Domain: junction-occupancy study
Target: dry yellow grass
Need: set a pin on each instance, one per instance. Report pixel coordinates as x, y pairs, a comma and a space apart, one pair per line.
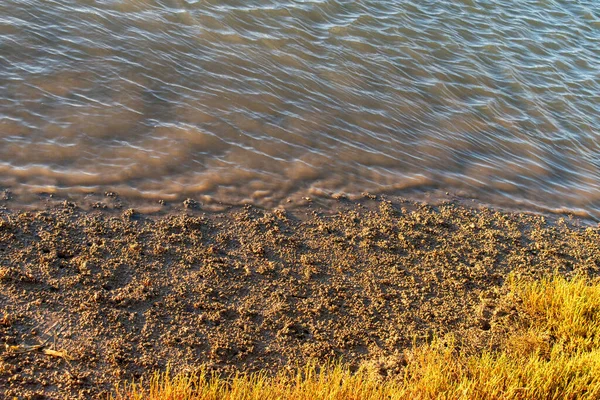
553, 353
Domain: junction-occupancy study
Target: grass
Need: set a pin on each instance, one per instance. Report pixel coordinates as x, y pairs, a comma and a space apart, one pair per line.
552, 351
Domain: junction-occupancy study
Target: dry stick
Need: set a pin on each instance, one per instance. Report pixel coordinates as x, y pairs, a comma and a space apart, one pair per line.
59, 353
14, 350
64, 356
22, 349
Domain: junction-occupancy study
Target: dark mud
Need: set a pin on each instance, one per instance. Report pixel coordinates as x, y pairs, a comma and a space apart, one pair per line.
117, 294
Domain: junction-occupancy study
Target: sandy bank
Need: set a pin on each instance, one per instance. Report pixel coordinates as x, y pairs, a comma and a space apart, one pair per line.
248, 289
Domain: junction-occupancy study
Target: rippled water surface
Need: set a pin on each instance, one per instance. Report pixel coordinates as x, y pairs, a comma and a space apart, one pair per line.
259, 101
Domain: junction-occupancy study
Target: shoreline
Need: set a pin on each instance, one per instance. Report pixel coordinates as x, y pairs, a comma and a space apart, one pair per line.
247, 289
325, 202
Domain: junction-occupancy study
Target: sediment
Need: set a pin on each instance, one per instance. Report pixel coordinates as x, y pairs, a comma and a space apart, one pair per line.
116, 295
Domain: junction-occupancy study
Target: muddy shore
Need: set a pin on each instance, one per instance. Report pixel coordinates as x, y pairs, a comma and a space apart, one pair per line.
114, 294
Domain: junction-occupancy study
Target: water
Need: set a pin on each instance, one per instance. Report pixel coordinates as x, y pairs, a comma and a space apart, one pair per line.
261, 101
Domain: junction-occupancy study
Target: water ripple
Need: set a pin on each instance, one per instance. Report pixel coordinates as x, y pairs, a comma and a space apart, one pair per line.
238, 101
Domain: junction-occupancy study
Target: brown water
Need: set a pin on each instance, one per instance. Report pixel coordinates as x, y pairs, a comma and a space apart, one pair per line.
260, 101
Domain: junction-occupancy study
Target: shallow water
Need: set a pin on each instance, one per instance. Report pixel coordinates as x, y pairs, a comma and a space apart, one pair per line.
260, 101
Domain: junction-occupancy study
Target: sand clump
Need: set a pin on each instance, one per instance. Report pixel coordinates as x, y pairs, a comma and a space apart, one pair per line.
109, 297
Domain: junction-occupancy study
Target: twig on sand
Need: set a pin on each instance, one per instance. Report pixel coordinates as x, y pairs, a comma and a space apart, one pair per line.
43, 347
58, 353
12, 351
20, 349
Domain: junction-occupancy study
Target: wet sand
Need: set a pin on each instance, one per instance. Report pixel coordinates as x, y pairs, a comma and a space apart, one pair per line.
120, 294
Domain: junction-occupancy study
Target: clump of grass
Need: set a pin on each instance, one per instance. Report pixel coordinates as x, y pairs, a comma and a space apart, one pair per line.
332, 381
553, 353
566, 311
